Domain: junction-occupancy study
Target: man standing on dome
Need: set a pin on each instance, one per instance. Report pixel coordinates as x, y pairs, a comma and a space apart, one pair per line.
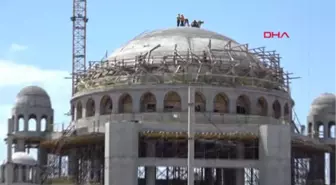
178, 19
182, 20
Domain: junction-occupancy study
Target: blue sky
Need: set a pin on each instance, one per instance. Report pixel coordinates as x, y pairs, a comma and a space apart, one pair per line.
35, 40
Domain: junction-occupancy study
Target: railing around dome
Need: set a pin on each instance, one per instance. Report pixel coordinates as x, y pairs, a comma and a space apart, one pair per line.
232, 66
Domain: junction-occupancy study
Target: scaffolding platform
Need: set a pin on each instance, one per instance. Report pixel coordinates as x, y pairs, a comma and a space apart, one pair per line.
74, 141
95, 138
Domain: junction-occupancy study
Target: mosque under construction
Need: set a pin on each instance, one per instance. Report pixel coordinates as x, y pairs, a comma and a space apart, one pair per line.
168, 101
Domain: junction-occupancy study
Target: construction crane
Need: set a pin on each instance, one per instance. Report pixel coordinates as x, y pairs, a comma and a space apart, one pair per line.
79, 20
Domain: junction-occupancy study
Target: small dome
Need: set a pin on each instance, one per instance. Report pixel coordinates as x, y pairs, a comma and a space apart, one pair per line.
23, 158
324, 104
33, 96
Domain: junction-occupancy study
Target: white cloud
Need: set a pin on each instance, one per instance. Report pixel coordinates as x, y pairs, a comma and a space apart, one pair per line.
17, 76
13, 74
17, 47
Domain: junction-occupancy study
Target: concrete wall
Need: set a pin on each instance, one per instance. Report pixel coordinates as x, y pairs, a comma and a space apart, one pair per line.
121, 153
275, 155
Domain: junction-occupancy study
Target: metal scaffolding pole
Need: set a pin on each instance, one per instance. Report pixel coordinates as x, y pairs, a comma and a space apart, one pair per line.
191, 141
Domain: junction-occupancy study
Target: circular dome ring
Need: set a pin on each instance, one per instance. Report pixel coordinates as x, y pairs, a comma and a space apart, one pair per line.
186, 55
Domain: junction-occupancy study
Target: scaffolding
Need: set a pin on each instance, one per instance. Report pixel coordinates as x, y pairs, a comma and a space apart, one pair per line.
48, 171
234, 65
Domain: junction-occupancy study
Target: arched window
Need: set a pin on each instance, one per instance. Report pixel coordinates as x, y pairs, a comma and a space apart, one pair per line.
43, 124
32, 123
200, 102
320, 129
221, 103
148, 102
106, 105
276, 109
21, 123
331, 129
262, 107
90, 108
79, 110
286, 112
243, 105
172, 102
125, 104
72, 112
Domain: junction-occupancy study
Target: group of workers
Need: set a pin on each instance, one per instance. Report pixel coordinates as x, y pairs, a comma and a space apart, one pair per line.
182, 21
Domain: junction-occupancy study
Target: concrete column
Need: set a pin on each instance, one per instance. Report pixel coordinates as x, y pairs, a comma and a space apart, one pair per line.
9, 172
26, 123
208, 176
27, 174
96, 168
275, 155
150, 171
9, 148
332, 169
38, 124
159, 102
209, 104
184, 99
20, 146
233, 104
115, 103
20, 173
33, 179
240, 173
73, 163
253, 106
10, 126
293, 168
50, 123
121, 153
15, 124
1, 174
316, 168
9, 169
136, 101
59, 166
325, 130
229, 176
42, 157
219, 176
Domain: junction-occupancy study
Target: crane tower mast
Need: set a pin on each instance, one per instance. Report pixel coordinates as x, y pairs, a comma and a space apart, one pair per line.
79, 20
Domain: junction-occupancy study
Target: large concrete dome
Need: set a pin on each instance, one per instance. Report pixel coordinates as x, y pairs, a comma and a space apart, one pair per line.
184, 38
23, 158
33, 96
324, 104
186, 55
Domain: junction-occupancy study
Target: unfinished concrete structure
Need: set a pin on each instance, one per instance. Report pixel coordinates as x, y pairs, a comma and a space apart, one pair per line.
130, 114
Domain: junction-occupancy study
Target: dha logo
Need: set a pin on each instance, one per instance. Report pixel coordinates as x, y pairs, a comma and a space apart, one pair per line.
279, 35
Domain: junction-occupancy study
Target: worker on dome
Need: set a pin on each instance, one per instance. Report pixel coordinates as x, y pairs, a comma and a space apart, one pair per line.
194, 24
200, 23
178, 19
197, 24
186, 22
182, 20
